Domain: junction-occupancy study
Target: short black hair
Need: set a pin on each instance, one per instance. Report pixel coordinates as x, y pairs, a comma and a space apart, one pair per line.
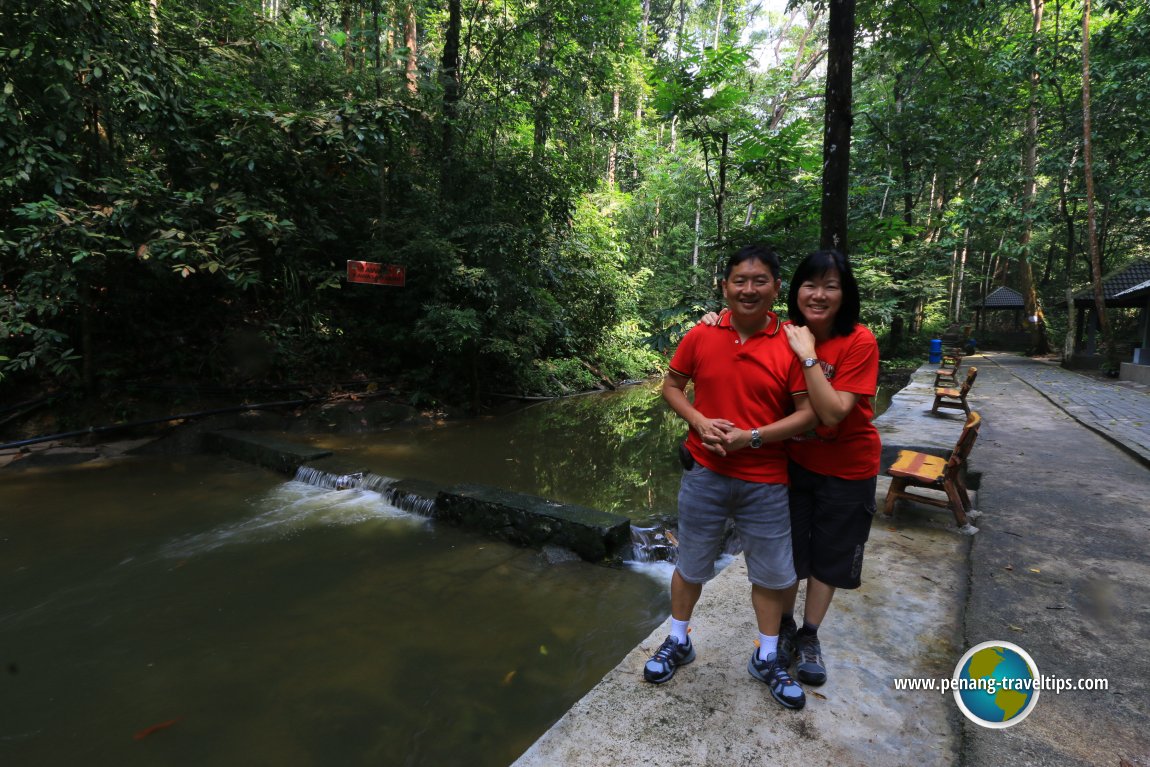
753, 253
816, 265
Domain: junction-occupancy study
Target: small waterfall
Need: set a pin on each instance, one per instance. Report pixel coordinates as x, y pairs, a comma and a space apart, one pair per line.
310, 475
412, 503
658, 544
653, 544
377, 483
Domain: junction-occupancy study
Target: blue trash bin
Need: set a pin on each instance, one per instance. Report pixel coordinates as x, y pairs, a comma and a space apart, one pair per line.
935, 351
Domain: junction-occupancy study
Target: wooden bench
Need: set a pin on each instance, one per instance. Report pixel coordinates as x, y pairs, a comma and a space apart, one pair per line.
954, 399
947, 372
913, 469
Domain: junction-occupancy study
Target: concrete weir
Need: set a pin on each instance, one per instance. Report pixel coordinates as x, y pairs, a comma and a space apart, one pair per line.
271, 453
521, 519
528, 520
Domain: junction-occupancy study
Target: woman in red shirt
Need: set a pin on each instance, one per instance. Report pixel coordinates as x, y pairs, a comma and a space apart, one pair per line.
833, 470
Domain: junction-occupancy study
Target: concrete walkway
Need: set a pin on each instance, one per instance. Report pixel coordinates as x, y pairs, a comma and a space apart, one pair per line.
1059, 567
1119, 411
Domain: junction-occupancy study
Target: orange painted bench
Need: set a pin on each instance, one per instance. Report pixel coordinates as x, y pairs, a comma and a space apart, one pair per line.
913, 469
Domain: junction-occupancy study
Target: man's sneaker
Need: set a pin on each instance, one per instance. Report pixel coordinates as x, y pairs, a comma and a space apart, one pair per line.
783, 689
787, 629
811, 668
670, 655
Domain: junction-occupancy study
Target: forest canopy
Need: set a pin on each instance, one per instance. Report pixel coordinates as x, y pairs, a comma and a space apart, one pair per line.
184, 181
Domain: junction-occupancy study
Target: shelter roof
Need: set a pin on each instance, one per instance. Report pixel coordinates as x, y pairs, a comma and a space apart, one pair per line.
1003, 298
1141, 289
1122, 287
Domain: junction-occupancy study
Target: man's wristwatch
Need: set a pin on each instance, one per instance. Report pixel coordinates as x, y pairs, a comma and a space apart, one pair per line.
810, 362
756, 440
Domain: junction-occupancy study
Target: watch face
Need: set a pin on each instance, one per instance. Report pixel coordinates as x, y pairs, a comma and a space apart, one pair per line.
809, 363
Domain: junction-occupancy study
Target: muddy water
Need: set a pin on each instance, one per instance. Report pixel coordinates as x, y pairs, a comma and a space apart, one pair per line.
201, 611
266, 622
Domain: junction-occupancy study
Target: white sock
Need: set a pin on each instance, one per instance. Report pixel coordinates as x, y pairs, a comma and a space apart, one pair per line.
679, 630
768, 645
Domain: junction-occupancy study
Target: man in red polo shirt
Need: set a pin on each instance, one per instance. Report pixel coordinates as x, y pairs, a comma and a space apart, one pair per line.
750, 395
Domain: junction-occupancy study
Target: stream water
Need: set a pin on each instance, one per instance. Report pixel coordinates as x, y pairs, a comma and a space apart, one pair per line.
199, 611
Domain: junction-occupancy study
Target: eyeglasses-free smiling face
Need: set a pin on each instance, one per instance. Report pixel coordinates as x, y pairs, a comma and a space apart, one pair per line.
820, 298
750, 290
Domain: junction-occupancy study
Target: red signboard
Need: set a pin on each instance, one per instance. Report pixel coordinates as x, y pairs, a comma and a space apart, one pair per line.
376, 274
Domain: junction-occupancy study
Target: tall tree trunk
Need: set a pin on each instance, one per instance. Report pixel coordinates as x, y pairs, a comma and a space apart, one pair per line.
1069, 345
381, 153
1051, 252
695, 250
643, 25
900, 272
375, 34
543, 92
721, 191
1091, 223
154, 20
679, 30
345, 27
964, 251
837, 124
1034, 315
931, 202
952, 282
389, 37
410, 41
718, 24
449, 78
958, 281
613, 150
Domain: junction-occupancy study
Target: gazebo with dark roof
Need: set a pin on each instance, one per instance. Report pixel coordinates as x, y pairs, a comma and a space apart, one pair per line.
1125, 288
1000, 299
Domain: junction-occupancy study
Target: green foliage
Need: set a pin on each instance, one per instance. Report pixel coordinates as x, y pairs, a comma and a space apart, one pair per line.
178, 198
624, 356
558, 378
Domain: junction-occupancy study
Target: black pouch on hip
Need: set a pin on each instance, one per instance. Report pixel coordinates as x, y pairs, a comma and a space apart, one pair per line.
685, 457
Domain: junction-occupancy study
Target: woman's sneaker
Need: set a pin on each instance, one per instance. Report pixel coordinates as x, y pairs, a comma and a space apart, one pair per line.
670, 655
783, 689
811, 668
